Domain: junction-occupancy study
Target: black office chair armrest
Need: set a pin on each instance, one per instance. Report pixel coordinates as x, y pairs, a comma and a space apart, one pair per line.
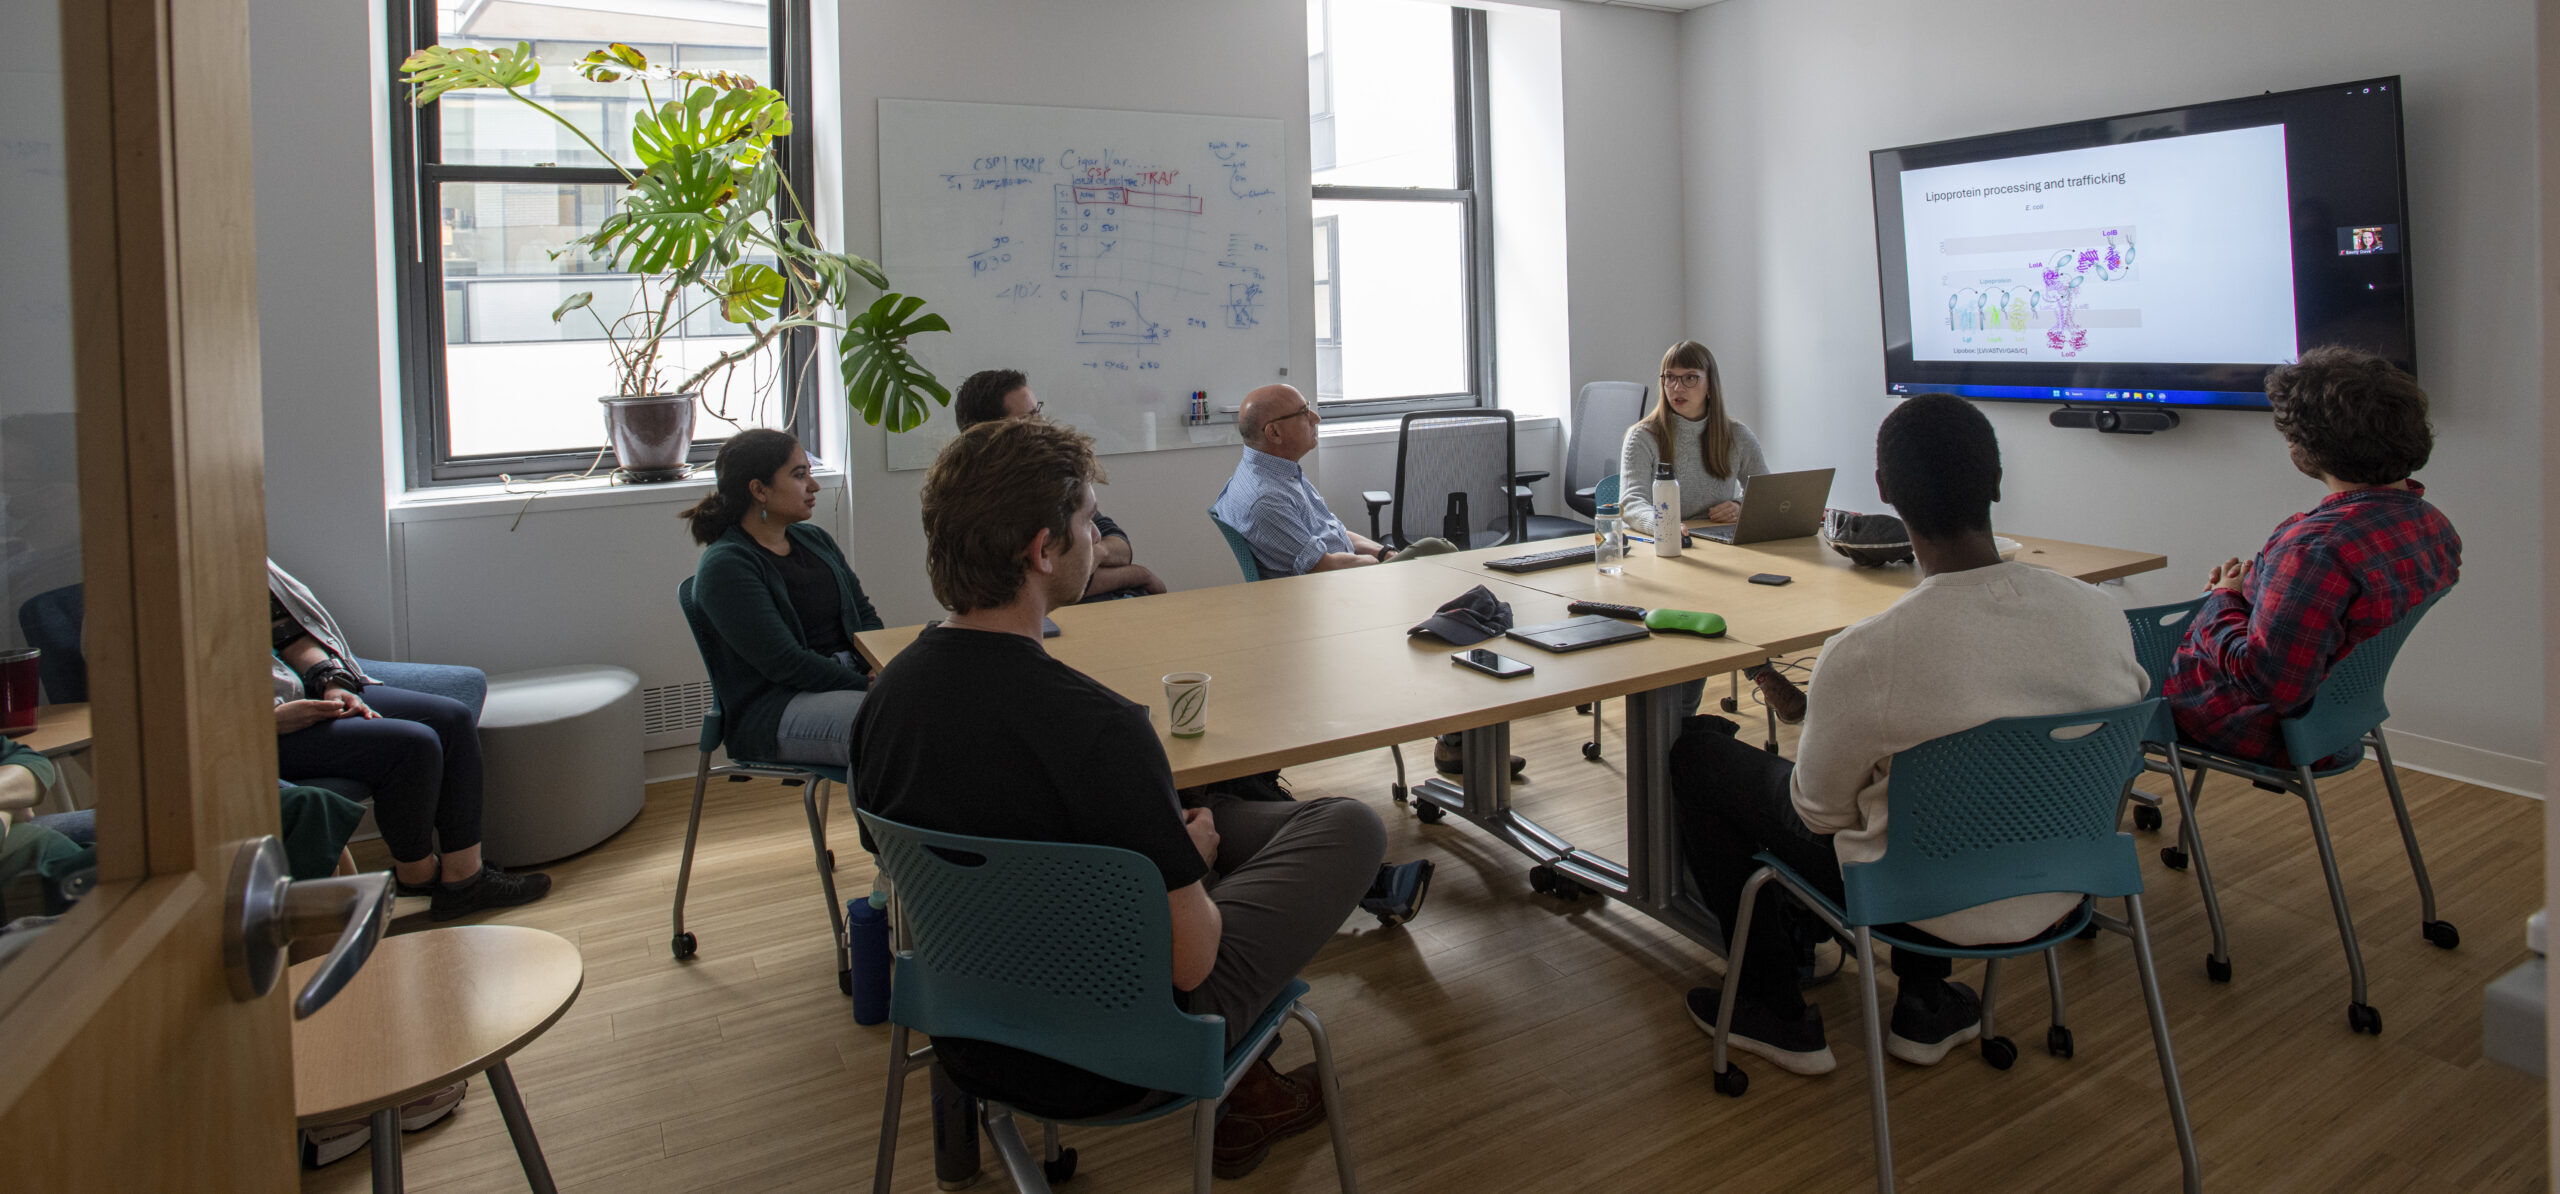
1528, 478
1587, 491
1378, 499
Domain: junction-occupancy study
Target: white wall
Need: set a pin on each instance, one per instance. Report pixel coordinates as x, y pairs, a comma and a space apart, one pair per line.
1782, 102
319, 311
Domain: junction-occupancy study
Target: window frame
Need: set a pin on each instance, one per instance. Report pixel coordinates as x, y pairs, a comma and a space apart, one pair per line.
418, 277
1473, 193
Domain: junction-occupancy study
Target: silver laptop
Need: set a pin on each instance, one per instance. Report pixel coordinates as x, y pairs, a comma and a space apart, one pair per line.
1776, 506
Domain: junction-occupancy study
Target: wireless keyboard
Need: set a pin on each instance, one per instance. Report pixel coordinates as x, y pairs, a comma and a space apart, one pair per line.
1546, 559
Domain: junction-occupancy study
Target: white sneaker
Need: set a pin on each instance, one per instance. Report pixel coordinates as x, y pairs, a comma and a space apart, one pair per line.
333, 1142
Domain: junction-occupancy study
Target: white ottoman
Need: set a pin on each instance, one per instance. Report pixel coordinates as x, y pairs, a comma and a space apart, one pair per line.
563, 752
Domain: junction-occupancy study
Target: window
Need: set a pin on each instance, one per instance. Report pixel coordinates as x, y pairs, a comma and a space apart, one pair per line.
1403, 266
488, 193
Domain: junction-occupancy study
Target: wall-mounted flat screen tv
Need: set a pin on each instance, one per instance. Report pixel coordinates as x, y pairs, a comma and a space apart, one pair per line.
2162, 258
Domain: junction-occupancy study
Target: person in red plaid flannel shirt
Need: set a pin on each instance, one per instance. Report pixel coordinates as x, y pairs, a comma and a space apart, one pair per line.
2373, 549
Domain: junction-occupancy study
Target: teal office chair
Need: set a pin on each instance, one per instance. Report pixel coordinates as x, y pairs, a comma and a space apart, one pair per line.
2345, 717
1253, 572
811, 778
2157, 631
2012, 807
1065, 951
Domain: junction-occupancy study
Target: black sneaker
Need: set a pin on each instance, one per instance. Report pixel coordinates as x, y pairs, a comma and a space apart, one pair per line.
1396, 896
1928, 1024
491, 888
402, 887
1798, 1045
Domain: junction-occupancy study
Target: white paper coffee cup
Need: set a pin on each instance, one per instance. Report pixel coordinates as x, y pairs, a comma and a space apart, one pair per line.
1186, 702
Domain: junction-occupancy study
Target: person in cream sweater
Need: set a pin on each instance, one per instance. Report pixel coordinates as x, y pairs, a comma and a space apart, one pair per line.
1978, 639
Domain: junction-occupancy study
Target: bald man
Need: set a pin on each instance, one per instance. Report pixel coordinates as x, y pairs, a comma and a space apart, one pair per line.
1270, 502
1281, 516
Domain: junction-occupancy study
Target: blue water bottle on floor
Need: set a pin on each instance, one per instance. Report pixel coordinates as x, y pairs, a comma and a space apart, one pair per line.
866, 929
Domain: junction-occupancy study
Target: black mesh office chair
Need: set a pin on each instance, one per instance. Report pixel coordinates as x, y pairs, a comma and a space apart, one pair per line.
1455, 480
1595, 433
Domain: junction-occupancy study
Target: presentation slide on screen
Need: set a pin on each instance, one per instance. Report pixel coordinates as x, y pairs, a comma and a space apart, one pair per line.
2173, 250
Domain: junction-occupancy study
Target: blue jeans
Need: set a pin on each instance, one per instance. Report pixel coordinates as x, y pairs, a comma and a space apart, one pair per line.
817, 727
421, 758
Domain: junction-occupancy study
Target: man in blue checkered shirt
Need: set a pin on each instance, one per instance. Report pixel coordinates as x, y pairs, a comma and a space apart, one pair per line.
1281, 516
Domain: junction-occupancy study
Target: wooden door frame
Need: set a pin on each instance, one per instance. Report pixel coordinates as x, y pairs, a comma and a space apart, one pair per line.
156, 150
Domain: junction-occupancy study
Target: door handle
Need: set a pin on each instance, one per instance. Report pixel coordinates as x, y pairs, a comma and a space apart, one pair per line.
269, 911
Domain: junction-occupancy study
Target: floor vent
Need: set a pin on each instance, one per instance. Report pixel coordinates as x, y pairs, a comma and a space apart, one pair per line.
674, 709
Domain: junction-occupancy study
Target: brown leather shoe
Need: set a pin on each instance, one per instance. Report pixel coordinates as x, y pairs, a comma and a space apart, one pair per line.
1783, 696
1450, 760
1266, 1108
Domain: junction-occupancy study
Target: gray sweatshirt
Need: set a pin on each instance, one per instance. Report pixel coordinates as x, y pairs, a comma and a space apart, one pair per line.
1699, 489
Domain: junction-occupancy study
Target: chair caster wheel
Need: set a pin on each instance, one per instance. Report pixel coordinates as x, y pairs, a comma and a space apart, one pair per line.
2088, 932
1398, 793
1732, 1082
683, 946
831, 860
1428, 813
1591, 751
2057, 1041
1061, 1169
2441, 933
844, 981
1729, 705
1583, 708
1542, 879
2217, 969
2362, 1018
2000, 1051
2146, 818
2173, 858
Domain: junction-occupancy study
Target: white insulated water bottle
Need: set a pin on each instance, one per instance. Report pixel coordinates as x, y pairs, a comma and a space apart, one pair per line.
1666, 510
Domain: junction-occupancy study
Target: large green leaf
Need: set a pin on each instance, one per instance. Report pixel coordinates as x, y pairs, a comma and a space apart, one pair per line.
743, 121
750, 292
670, 217
882, 380
439, 69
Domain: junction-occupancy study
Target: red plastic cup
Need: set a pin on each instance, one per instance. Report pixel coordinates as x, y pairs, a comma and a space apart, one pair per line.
18, 689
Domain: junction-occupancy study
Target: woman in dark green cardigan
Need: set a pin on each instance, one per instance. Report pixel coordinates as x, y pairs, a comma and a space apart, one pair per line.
785, 604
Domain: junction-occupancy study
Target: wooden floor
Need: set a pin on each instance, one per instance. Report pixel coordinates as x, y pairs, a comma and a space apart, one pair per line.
1507, 1041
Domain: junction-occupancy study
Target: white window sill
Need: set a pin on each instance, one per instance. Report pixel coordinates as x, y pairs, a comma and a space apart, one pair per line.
483, 501
1385, 428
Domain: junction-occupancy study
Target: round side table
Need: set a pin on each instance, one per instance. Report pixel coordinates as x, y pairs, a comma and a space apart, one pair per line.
429, 1009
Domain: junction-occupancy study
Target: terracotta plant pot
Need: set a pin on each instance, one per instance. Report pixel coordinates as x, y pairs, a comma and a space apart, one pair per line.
651, 435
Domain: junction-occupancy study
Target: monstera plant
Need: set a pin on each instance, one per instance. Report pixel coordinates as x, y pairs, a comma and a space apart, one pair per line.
709, 222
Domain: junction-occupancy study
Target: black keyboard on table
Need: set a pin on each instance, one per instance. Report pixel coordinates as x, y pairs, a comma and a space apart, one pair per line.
1546, 559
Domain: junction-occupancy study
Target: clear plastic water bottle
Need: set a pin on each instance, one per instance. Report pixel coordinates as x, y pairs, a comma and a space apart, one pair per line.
1610, 537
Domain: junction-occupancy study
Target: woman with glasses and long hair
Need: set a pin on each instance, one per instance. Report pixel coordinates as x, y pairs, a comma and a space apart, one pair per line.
1712, 454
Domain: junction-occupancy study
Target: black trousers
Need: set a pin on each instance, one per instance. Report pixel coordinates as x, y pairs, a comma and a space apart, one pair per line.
1732, 801
421, 758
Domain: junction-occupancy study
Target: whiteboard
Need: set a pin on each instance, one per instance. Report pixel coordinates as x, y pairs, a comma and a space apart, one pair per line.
1121, 259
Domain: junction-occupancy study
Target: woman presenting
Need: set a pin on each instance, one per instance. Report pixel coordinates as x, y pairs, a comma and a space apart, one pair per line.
1710, 452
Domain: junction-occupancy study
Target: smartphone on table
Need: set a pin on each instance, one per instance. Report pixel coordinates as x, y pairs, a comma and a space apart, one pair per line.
1490, 663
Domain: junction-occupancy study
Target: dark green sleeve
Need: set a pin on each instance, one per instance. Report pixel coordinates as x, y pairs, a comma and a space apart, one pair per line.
734, 596
864, 617
26, 756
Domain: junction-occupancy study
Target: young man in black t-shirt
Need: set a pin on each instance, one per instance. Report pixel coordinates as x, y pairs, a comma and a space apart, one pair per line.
974, 729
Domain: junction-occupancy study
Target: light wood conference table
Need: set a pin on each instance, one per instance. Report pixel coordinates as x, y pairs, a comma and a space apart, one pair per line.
1313, 667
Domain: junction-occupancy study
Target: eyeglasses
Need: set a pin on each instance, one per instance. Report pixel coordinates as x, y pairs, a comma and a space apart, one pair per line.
1303, 410
1683, 380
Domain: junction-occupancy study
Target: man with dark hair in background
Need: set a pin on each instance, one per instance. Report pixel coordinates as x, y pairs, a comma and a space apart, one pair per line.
975, 729
1006, 394
2373, 549
1976, 640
